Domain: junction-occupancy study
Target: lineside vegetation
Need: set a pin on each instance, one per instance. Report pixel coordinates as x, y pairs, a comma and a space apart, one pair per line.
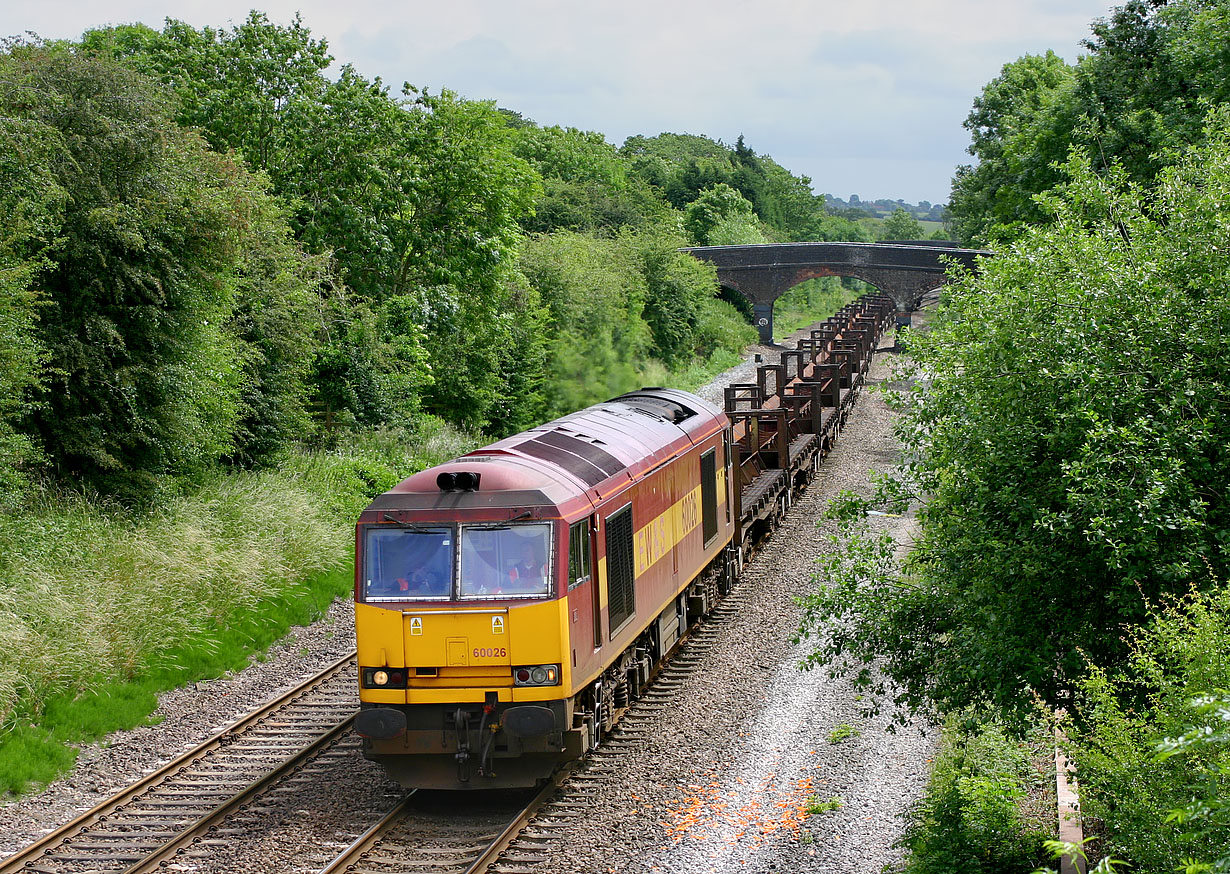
1065, 441
1065, 428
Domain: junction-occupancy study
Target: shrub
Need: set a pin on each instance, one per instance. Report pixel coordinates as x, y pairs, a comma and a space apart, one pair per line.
969, 818
1184, 650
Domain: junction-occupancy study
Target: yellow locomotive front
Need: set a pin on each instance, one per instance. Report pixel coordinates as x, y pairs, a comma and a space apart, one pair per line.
461, 632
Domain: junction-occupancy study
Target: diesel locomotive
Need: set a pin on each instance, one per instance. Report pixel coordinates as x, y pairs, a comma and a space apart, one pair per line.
510, 603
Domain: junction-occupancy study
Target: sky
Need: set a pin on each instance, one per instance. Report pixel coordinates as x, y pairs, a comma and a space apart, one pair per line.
864, 97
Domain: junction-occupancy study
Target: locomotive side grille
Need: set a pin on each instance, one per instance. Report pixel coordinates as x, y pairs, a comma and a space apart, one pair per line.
621, 570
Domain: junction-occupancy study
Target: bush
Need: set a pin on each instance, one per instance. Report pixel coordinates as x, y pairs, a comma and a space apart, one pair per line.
1184, 650
969, 820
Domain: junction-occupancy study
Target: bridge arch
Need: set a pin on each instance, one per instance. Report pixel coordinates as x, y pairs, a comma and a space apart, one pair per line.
905, 270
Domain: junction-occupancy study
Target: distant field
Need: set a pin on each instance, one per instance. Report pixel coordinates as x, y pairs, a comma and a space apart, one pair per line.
932, 227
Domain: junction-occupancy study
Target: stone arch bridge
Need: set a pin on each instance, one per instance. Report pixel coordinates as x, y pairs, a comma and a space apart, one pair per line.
903, 269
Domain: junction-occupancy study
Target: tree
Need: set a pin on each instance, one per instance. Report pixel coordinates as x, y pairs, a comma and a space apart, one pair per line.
902, 226
1020, 125
1177, 656
586, 183
1134, 101
594, 295
1069, 442
468, 194
236, 85
276, 317
32, 201
716, 206
143, 379
677, 287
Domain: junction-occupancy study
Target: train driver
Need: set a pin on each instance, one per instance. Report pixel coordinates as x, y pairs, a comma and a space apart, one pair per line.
529, 575
425, 579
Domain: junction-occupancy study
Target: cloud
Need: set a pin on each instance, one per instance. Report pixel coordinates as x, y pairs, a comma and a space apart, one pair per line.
863, 97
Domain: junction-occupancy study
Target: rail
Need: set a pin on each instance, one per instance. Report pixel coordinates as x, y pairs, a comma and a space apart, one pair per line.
146, 822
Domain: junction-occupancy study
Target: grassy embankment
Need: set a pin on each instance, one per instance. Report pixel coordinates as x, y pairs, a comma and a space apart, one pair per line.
812, 301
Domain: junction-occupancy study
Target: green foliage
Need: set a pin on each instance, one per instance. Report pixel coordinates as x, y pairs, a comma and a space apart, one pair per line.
684, 167
720, 207
1074, 851
816, 806
238, 86
969, 819
1135, 101
1019, 126
34, 753
32, 201
677, 287
813, 301
1209, 810
587, 185
673, 148
623, 312
276, 317
834, 228
595, 296
843, 731
795, 211
571, 155
142, 377
902, 226
722, 329
859, 574
1156, 809
1069, 441
417, 196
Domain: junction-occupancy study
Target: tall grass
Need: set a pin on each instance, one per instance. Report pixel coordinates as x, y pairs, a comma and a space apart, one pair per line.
101, 609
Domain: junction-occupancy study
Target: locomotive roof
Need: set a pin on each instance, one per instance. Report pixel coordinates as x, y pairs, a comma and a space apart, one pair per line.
569, 463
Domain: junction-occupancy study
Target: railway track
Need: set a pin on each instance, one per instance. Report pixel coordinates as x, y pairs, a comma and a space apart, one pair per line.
568, 804
444, 833
423, 833
149, 822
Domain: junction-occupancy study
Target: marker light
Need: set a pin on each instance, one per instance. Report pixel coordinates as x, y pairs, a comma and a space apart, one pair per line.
536, 675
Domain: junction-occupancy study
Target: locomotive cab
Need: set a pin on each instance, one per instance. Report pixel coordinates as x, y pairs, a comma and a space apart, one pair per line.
460, 628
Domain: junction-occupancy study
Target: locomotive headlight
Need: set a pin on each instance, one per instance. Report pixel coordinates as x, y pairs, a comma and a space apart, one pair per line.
536, 675
384, 678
